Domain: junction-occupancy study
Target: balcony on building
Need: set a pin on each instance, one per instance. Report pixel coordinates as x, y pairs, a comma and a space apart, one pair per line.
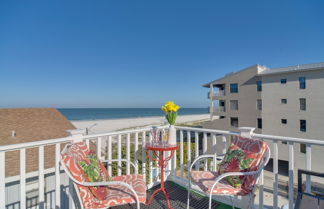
217, 92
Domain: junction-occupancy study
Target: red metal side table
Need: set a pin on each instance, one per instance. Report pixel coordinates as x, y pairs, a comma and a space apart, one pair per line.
158, 155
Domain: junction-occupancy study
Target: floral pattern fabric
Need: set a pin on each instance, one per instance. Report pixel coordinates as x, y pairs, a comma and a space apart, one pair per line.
206, 179
112, 195
236, 160
254, 149
95, 172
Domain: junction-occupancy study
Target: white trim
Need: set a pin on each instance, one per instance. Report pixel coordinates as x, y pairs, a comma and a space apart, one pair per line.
2, 183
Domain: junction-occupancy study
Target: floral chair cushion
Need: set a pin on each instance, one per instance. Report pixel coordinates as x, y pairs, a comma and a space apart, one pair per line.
236, 160
114, 195
252, 149
206, 179
256, 146
95, 171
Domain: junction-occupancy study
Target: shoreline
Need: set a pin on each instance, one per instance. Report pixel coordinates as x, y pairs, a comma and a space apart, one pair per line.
108, 125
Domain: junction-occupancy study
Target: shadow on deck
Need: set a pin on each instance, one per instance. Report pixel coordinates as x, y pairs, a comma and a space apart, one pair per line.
178, 199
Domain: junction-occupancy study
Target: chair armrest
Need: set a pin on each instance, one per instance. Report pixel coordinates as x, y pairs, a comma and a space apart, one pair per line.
237, 174
122, 160
108, 183
103, 183
217, 180
198, 159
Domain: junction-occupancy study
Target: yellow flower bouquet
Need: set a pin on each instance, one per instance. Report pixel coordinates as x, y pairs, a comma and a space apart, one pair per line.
170, 110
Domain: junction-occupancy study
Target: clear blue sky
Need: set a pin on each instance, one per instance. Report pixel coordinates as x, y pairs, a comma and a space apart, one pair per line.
105, 53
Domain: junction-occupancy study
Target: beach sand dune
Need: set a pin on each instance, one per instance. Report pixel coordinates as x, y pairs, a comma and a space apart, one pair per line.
100, 126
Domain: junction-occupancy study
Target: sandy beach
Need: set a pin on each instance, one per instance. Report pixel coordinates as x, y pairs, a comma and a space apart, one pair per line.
100, 126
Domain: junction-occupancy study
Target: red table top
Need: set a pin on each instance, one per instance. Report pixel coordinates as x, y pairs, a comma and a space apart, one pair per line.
161, 147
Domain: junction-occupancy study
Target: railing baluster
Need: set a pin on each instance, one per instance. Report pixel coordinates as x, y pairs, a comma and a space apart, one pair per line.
109, 154
174, 161
2, 180
99, 141
205, 150
41, 177
275, 175
214, 151
261, 190
23, 178
128, 154
119, 155
57, 177
308, 167
291, 175
224, 144
181, 153
150, 161
174, 164
136, 152
188, 149
143, 155
196, 149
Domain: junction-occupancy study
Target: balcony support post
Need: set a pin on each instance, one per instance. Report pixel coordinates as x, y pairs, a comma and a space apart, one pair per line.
211, 94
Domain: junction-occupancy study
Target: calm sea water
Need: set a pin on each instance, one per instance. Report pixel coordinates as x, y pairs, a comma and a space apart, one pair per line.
115, 113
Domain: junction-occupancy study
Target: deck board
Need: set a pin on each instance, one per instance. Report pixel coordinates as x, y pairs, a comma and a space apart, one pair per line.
178, 199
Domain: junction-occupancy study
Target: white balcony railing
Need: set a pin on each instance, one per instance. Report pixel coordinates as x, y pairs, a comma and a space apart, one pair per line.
116, 145
213, 95
219, 109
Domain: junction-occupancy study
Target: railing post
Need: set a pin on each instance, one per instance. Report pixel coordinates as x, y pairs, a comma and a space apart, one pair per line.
308, 167
76, 136
291, 174
246, 131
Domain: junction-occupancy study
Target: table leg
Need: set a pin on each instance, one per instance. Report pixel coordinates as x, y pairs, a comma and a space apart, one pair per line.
162, 188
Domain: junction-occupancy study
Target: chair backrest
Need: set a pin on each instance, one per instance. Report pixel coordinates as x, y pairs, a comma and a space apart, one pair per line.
263, 155
71, 155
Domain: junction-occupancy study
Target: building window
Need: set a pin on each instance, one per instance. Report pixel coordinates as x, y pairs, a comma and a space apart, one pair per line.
283, 101
283, 81
259, 123
234, 122
234, 88
234, 104
302, 82
259, 104
222, 117
259, 85
283, 121
303, 148
302, 103
303, 125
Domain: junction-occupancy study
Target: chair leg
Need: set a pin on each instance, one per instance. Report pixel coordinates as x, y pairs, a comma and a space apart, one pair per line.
232, 200
188, 198
251, 202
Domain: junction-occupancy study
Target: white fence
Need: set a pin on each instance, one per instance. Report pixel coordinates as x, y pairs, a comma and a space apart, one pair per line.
193, 142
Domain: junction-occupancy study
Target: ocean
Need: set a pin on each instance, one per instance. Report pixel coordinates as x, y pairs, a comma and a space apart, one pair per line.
115, 113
